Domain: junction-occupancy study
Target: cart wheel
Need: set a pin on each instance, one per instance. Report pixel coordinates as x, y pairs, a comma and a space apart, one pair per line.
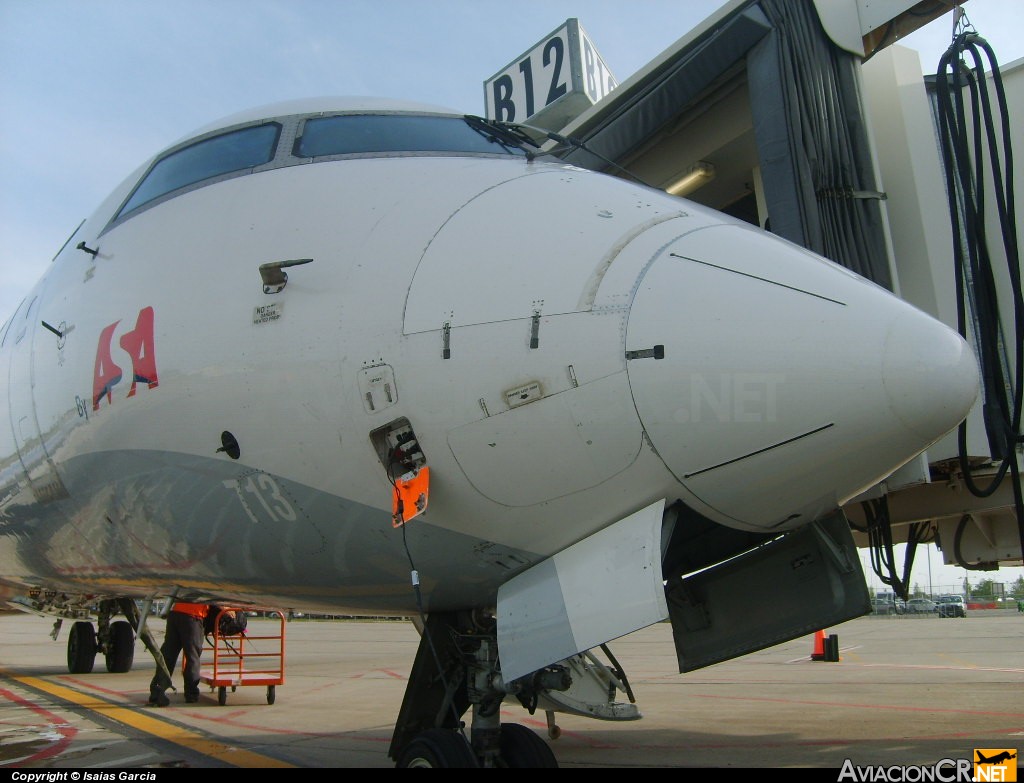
222, 696
271, 694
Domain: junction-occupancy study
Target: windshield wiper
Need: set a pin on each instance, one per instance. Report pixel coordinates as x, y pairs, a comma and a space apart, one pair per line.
504, 133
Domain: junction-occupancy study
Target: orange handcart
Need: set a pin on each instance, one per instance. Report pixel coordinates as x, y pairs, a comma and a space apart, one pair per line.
254, 657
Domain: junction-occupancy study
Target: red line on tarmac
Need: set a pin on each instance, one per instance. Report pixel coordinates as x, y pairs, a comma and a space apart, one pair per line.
926, 666
837, 742
583, 738
598, 745
936, 666
223, 720
1010, 730
66, 731
153, 726
896, 707
229, 721
388, 672
94, 687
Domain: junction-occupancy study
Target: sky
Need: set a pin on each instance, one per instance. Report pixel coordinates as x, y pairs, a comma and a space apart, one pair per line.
89, 89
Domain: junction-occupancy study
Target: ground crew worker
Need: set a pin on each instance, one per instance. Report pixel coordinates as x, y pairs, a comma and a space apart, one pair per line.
184, 633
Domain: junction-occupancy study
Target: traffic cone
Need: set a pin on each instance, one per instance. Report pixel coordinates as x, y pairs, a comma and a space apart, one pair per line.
819, 646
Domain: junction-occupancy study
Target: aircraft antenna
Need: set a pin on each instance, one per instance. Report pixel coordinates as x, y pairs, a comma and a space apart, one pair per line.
579, 144
573, 142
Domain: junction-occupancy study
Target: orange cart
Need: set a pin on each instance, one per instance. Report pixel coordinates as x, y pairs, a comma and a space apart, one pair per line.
254, 657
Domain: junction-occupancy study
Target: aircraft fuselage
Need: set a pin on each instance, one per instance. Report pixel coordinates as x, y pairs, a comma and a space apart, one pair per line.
566, 347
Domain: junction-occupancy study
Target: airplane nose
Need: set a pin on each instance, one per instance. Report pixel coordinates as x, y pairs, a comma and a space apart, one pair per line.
775, 385
929, 374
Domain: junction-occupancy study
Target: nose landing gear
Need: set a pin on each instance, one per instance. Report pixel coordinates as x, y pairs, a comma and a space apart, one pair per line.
457, 668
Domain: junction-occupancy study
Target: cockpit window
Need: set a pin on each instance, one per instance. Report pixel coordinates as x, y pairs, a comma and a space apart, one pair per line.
297, 139
381, 133
234, 151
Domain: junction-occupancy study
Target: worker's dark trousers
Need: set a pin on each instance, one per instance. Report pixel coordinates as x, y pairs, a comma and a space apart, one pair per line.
184, 633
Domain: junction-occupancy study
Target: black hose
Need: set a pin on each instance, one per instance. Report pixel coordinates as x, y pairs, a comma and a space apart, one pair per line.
883, 560
975, 270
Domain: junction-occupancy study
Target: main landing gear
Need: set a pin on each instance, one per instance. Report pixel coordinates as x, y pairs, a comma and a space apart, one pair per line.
116, 640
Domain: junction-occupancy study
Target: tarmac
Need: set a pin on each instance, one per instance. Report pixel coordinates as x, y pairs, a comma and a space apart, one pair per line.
907, 691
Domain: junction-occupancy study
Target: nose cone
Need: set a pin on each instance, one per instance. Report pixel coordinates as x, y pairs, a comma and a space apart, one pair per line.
930, 375
786, 384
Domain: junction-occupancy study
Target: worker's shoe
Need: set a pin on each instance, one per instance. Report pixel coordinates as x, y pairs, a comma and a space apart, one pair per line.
158, 699
191, 698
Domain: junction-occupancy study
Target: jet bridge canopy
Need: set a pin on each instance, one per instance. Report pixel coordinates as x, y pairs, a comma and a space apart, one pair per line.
743, 93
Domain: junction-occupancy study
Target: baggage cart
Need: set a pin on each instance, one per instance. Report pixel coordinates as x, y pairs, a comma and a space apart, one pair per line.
254, 657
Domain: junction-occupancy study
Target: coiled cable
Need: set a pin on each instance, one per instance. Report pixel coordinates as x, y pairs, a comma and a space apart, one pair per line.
970, 149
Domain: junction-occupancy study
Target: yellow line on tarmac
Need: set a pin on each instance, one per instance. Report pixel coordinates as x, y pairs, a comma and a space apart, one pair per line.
144, 722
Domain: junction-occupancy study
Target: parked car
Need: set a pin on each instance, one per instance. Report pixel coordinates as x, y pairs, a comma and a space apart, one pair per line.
886, 606
921, 606
951, 606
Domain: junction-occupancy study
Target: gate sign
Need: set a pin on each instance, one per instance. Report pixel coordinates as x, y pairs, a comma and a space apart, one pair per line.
552, 83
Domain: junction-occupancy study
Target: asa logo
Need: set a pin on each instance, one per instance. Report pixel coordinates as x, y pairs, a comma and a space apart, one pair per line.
138, 344
998, 765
